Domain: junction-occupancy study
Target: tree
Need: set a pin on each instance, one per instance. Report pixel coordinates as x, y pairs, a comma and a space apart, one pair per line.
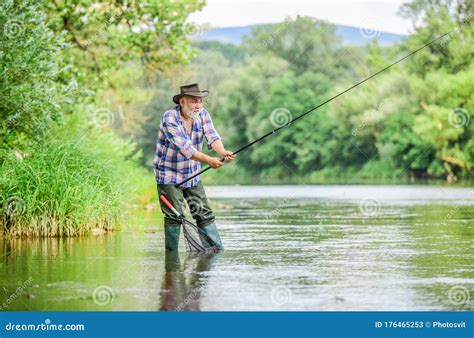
31, 97
432, 19
307, 44
443, 82
105, 35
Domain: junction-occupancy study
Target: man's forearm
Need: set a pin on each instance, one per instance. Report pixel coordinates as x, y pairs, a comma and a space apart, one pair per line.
201, 157
218, 147
213, 162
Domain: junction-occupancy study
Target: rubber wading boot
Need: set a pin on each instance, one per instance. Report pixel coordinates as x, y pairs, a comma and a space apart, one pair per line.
213, 233
172, 237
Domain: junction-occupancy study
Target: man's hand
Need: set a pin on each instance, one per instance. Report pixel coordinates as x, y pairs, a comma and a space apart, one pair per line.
214, 162
227, 155
218, 147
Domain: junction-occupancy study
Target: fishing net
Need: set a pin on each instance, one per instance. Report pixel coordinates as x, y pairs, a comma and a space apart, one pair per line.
195, 238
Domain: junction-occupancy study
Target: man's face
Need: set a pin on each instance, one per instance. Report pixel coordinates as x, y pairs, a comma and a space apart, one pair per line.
191, 105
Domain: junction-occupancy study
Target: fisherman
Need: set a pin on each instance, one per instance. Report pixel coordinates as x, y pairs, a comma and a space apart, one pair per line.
178, 157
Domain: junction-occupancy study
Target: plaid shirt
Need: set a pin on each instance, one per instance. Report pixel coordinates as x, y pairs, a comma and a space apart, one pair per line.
174, 147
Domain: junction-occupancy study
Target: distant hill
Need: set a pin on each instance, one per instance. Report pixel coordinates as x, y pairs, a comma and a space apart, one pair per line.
350, 35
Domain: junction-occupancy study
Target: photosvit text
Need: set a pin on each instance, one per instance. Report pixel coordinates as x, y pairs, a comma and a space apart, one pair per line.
419, 325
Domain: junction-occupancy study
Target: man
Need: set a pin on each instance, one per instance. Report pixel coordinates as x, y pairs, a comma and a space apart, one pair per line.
178, 157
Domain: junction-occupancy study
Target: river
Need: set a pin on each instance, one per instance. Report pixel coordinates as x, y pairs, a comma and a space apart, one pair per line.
319, 247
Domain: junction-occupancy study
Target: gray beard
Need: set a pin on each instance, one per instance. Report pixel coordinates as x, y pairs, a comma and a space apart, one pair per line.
188, 112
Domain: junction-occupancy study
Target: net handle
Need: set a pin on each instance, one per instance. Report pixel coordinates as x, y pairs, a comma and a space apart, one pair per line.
169, 205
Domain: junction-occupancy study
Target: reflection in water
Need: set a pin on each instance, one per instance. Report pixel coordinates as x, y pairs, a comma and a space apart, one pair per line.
182, 286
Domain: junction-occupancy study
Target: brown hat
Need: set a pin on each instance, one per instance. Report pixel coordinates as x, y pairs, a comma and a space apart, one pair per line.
190, 90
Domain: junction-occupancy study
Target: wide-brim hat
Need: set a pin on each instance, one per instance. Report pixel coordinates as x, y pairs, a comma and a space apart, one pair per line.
190, 90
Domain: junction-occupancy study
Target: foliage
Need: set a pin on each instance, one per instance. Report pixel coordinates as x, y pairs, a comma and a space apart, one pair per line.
31, 97
76, 180
104, 36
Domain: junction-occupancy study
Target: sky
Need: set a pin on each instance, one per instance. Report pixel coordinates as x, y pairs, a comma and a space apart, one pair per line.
380, 15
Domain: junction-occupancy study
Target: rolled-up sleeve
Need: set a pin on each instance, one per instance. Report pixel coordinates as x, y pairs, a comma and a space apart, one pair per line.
176, 136
209, 131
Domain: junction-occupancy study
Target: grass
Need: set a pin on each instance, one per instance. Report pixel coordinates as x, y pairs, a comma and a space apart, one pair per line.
78, 179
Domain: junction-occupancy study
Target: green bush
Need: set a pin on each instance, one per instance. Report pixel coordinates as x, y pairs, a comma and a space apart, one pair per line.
76, 180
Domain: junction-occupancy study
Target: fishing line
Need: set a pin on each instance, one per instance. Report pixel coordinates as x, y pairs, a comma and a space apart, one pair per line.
318, 106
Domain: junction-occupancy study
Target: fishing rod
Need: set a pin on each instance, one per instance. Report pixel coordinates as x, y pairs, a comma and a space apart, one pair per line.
318, 106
